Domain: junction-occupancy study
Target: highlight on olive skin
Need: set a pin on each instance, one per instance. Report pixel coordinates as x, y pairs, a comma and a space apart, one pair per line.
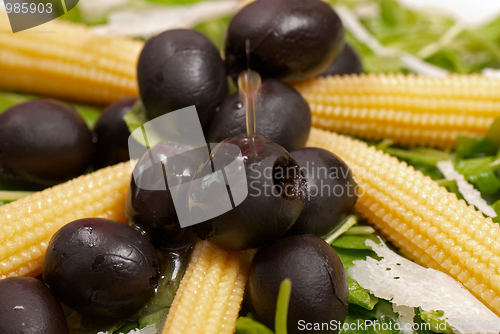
27, 306
179, 68
282, 114
43, 142
319, 283
331, 192
101, 268
290, 40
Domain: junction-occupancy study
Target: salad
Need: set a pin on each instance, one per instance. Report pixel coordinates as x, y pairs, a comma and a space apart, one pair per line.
377, 286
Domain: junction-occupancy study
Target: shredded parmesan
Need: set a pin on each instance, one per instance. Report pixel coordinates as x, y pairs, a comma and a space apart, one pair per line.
470, 194
408, 284
149, 22
151, 329
352, 23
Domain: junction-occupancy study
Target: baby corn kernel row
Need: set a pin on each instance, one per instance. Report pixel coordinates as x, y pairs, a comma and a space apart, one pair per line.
409, 109
28, 224
209, 297
65, 60
429, 224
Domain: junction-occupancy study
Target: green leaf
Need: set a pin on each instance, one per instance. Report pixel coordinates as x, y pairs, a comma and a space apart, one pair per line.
354, 323
174, 2
468, 167
8, 100
355, 241
383, 317
475, 147
348, 256
89, 113
486, 181
494, 132
247, 325
136, 117
360, 296
436, 320
426, 157
390, 12
215, 30
280, 322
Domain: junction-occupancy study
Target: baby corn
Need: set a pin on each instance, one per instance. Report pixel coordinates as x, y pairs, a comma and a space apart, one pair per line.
27, 225
211, 292
409, 109
429, 224
65, 60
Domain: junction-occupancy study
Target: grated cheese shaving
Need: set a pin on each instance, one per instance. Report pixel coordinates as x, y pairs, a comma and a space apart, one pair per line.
470, 194
151, 329
152, 21
406, 283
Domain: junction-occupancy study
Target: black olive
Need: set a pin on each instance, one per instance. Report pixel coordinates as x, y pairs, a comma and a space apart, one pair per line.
27, 306
178, 69
331, 192
112, 134
153, 210
319, 283
43, 142
101, 267
281, 112
348, 62
289, 39
276, 195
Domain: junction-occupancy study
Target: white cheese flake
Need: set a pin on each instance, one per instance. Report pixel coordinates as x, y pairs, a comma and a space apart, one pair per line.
149, 22
470, 194
406, 283
151, 329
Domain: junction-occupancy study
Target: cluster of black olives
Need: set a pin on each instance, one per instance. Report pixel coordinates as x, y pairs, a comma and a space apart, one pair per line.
44, 142
99, 267
296, 195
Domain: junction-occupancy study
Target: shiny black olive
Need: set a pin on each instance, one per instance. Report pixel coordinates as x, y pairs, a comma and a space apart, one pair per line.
331, 192
111, 133
289, 39
43, 142
276, 195
27, 306
149, 202
348, 62
319, 283
181, 68
281, 112
101, 267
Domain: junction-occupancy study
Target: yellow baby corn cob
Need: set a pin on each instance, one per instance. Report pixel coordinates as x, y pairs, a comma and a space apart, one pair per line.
429, 224
65, 60
409, 109
210, 294
27, 225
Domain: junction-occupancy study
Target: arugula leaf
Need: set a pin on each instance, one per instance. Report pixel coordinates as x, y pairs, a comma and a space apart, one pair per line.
360, 296
351, 248
247, 325
215, 30
475, 147
355, 241
381, 319
355, 323
89, 113
437, 322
